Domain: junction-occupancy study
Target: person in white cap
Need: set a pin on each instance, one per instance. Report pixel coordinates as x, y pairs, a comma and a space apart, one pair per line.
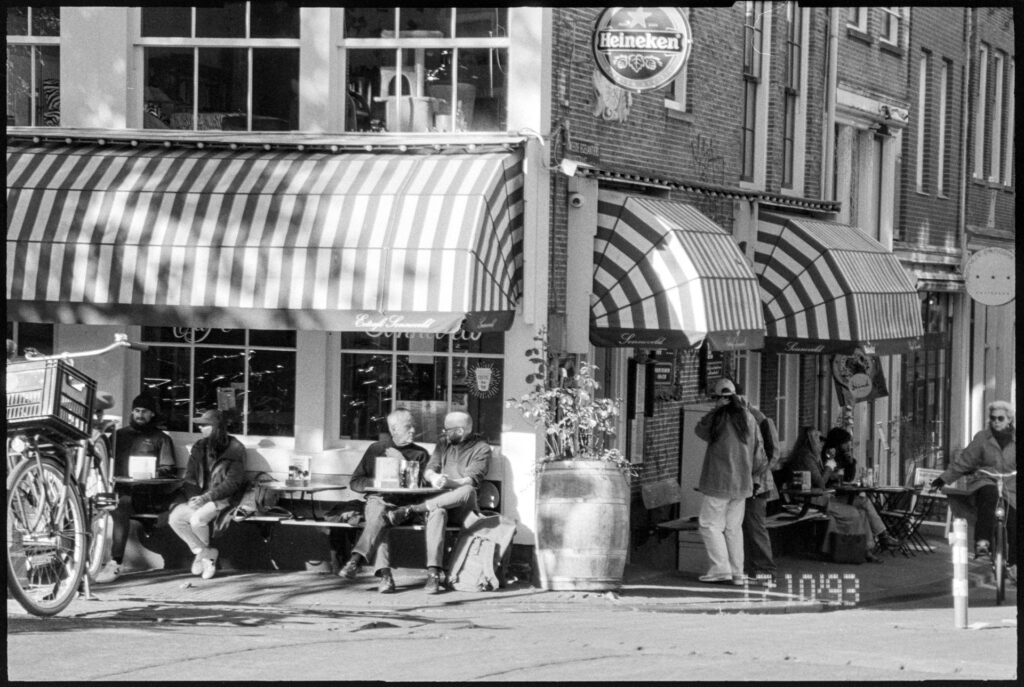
213, 481
726, 480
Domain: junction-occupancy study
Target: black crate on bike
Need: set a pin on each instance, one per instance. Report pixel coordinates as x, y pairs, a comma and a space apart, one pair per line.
51, 398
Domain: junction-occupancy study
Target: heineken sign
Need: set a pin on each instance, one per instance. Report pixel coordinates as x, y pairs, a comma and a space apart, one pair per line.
641, 48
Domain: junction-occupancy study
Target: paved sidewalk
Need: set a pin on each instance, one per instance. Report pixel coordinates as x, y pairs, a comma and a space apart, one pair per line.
803, 585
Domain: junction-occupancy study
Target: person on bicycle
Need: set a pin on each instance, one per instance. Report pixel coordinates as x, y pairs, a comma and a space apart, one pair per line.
213, 481
140, 438
995, 449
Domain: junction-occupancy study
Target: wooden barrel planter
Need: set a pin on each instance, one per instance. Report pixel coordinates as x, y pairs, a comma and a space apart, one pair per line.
582, 525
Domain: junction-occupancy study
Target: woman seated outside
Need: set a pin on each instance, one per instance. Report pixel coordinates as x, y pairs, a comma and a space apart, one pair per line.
830, 465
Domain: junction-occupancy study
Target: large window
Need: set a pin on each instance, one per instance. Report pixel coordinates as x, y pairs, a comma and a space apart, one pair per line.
1010, 113
995, 159
922, 121
941, 148
428, 374
792, 92
33, 66
753, 52
891, 17
248, 374
979, 113
425, 69
233, 67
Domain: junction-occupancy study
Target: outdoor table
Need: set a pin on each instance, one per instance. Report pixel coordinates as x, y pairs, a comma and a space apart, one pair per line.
132, 481
885, 499
311, 488
806, 496
426, 491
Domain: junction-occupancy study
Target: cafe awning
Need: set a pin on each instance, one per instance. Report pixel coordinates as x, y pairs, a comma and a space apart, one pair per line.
666, 276
285, 239
830, 288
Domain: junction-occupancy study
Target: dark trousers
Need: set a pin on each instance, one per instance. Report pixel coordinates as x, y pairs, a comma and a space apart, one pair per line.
984, 502
757, 546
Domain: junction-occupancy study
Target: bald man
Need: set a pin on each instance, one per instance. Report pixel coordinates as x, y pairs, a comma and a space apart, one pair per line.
458, 465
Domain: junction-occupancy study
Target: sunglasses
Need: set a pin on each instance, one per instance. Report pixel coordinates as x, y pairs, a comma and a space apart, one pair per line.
997, 418
451, 430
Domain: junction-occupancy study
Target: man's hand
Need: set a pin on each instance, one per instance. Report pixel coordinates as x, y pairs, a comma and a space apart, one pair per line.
936, 484
198, 501
831, 464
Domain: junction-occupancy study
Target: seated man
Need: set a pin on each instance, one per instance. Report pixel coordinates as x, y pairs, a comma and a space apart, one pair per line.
459, 464
372, 543
140, 438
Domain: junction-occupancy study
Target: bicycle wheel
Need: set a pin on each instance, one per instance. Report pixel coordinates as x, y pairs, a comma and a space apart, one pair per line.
999, 561
46, 537
100, 499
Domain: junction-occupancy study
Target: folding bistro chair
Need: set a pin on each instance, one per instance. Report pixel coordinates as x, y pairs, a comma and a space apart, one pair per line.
921, 510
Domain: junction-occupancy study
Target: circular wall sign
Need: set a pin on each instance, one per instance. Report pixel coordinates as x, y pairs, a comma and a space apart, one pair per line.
641, 48
989, 276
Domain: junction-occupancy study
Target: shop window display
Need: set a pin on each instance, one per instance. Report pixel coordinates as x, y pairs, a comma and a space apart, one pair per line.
33, 66
426, 69
250, 84
428, 374
247, 374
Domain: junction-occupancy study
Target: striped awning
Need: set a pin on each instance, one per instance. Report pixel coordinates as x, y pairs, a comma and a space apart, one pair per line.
666, 276
263, 239
830, 288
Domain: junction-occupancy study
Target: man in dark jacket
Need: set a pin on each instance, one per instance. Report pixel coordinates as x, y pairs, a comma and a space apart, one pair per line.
373, 542
458, 465
757, 546
140, 438
213, 479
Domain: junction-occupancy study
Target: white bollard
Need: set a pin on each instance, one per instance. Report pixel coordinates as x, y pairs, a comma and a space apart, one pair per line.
958, 544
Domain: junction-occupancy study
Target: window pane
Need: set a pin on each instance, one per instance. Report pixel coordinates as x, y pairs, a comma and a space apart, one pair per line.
483, 343
45, 21
275, 90
220, 383
273, 20
471, 22
165, 373
281, 338
167, 21
271, 393
423, 389
17, 21
32, 335
19, 90
368, 22
478, 388
227, 21
169, 87
425, 22
365, 395
48, 73
223, 85
362, 340
374, 82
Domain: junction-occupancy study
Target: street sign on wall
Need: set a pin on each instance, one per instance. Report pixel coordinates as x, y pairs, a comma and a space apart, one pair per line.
641, 48
989, 276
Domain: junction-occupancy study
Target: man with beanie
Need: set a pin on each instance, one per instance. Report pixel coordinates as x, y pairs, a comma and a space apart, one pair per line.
140, 438
995, 449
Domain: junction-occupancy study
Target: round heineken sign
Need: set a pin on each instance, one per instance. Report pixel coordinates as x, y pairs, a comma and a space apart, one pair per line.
641, 48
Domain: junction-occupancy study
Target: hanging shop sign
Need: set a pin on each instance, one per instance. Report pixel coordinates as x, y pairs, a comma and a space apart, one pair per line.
858, 377
989, 276
641, 48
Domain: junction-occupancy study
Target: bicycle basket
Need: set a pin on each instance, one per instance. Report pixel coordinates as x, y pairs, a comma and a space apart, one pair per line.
51, 398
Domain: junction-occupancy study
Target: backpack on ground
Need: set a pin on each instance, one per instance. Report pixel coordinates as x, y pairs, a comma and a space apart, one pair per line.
481, 557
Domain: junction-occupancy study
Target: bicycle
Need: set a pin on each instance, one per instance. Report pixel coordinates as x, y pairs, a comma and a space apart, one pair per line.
59, 481
1000, 544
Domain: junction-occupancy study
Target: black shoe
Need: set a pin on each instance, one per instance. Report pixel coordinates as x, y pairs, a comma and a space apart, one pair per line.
398, 516
433, 585
887, 541
386, 584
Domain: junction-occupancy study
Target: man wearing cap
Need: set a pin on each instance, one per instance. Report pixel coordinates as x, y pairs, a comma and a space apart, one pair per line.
140, 438
214, 479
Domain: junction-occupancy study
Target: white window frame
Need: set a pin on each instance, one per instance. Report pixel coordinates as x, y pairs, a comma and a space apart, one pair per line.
1010, 114
33, 42
979, 113
763, 13
995, 157
940, 162
858, 19
677, 101
800, 128
922, 117
892, 25
787, 398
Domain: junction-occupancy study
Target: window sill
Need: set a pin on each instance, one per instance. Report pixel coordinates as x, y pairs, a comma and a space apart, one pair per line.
891, 48
677, 114
859, 35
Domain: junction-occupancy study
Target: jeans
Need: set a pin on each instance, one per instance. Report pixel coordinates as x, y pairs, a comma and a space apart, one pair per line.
193, 524
757, 545
721, 528
374, 539
460, 502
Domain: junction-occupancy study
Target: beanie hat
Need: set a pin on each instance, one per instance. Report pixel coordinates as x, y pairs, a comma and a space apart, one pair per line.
837, 436
144, 401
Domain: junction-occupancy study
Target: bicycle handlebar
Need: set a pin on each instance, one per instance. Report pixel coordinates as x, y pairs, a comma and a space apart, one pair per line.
997, 475
120, 341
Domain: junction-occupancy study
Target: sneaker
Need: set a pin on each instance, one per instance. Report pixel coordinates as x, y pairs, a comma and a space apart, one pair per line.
350, 570
109, 572
740, 580
209, 563
433, 585
197, 564
887, 541
982, 548
398, 516
387, 583
716, 579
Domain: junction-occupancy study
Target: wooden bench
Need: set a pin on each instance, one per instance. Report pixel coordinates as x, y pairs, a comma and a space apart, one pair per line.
665, 494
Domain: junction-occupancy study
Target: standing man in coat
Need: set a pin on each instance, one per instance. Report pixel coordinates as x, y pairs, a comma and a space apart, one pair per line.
995, 449
459, 464
758, 561
726, 480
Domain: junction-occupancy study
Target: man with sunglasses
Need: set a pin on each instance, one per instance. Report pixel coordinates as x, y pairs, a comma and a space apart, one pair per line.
458, 465
995, 449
